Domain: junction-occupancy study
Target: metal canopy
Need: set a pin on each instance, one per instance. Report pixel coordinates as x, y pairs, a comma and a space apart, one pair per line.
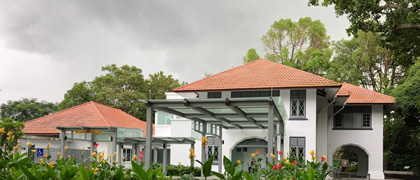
163, 140
229, 113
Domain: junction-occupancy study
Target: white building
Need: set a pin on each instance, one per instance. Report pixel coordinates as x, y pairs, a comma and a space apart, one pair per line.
321, 115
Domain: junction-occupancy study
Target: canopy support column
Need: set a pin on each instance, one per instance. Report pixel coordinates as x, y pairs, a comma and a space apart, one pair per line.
192, 160
203, 148
119, 154
270, 132
92, 144
63, 142
149, 132
155, 155
114, 146
220, 150
165, 156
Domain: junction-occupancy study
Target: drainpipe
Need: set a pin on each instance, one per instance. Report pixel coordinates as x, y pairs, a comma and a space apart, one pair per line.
332, 102
328, 129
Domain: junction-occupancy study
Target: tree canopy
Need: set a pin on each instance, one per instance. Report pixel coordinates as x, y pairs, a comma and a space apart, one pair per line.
303, 44
26, 109
121, 88
398, 21
364, 61
251, 55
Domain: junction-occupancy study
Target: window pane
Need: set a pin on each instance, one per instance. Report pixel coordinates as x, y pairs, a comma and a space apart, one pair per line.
301, 107
294, 107
216, 153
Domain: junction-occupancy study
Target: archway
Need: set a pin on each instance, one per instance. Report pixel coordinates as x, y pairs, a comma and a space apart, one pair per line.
352, 159
244, 149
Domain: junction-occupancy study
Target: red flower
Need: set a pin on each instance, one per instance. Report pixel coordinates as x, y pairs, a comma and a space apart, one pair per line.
87, 167
141, 152
294, 162
259, 151
280, 152
274, 167
279, 166
323, 158
44, 156
96, 144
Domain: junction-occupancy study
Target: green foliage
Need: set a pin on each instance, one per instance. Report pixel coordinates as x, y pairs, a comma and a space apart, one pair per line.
251, 55
121, 88
15, 128
303, 44
26, 109
398, 21
363, 61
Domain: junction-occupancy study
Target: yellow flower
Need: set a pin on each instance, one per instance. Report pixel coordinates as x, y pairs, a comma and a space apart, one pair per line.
33, 150
284, 158
48, 146
103, 161
191, 150
96, 170
30, 144
2, 131
68, 156
59, 154
273, 156
312, 152
41, 161
179, 163
100, 156
9, 133
204, 141
313, 157
238, 161
65, 148
94, 154
287, 162
191, 156
134, 157
115, 153
253, 155
15, 147
108, 156
51, 164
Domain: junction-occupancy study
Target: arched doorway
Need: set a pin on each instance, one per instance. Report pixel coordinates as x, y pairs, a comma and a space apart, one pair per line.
352, 159
244, 149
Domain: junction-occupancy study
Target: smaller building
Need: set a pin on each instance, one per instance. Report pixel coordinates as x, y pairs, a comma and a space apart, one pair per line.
90, 126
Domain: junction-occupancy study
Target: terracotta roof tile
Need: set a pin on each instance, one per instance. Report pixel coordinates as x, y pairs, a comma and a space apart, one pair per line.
89, 114
360, 95
260, 74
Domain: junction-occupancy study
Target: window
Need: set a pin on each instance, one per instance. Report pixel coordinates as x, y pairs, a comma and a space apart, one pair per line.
213, 148
353, 118
242, 94
298, 102
211, 95
127, 155
366, 120
338, 121
163, 118
297, 148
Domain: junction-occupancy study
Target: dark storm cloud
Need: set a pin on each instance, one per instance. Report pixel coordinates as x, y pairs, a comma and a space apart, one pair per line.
184, 38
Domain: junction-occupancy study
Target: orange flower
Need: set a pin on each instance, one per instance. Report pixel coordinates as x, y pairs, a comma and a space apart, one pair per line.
96, 170
294, 162
323, 158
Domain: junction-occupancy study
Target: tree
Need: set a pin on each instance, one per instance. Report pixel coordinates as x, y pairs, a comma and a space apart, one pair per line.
251, 55
364, 61
303, 44
15, 127
26, 109
398, 21
121, 88
79, 94
158, 84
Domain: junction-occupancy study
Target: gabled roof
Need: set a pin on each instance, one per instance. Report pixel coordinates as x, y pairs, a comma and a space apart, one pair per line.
260, 74
90, 114
358, 95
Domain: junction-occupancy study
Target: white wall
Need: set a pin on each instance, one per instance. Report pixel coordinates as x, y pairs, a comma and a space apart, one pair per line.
369, 140
301, 128
321, 128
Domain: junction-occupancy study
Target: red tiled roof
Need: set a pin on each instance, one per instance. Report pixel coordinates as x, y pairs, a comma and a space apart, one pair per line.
260, 74
360, 95
90, 114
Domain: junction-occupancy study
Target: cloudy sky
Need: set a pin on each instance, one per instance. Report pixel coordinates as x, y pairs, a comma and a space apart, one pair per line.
47, 46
